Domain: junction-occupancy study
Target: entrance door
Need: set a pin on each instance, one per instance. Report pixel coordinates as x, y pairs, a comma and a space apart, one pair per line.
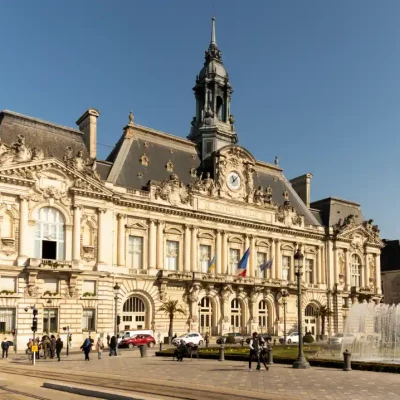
310, 320
205, 316
134, 314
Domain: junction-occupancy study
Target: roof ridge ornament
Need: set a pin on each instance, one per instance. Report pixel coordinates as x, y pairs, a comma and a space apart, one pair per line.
213, 53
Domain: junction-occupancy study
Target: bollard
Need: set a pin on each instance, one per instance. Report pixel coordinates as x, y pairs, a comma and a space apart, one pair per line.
270, 355
274, 342
221, 353
160, 346
347, 361
143, 351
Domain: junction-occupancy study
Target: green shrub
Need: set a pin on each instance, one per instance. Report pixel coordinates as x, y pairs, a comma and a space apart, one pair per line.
230, 340
308, 338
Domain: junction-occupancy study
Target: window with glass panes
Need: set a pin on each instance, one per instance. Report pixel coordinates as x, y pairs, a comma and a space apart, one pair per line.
7, 319
285, 267
50, 320
236, 313
355, 270
309, 270
172, 255
262, 313
234, 257
49, 234
135, 252
204, 257
261, 259
88, 319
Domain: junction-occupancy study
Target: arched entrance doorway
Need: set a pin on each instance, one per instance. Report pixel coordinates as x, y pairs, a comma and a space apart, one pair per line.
262, 316
237, 322
134, 314
207, 318
311, 320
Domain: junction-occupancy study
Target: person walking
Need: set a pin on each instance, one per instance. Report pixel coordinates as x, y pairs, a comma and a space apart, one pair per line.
263, 347
4, 346
108, 340
254, 349
46, 346
52, 346
86, 347
29, 349
59, 346
207, 339
99, 347
113, 346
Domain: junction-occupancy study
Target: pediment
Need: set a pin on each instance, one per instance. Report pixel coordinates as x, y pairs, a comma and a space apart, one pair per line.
360, 235
137, 225
53, 178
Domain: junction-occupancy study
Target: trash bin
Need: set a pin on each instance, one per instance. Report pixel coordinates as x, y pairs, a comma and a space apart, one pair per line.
143, 350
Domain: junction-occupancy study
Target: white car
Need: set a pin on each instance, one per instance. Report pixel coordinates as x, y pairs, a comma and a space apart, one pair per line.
192, 337
337, 339
292, 338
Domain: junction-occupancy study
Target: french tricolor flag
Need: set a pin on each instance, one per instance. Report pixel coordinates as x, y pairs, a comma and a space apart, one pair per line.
242, 266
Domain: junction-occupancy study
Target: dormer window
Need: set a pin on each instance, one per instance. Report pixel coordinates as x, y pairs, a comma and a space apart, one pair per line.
220, 109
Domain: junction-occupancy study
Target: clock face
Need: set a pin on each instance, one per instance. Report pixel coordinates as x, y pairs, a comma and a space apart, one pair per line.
233, 180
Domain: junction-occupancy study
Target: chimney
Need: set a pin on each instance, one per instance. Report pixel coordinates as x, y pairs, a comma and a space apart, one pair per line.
302, 186
88, 126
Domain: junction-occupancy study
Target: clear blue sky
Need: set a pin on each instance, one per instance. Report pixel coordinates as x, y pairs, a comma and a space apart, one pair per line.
315, 82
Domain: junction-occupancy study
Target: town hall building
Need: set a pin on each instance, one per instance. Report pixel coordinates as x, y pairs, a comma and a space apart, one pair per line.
86, 240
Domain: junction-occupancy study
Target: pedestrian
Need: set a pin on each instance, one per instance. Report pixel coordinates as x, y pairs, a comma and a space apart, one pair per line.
52, 346
29, 349
46, 346
99, 347
59, 346
263, 347
86, 347
108, 340
254, 349
207, 339
113, 346
37, 343
4, 346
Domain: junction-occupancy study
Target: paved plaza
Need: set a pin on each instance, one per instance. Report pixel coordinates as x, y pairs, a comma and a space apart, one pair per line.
280, 382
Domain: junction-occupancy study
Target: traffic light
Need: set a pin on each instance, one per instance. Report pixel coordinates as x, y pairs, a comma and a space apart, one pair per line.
118, 319
34, 325
35, 311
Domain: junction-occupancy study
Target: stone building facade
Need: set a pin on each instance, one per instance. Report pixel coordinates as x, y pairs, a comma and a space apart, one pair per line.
153, 215
390, 261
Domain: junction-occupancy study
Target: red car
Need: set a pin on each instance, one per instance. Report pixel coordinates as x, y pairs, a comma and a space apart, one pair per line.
137, 340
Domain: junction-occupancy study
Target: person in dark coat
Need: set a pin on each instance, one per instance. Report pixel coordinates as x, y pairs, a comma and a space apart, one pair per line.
4, 346
86, 347
52, 346
113, 346
59, 346
108, 340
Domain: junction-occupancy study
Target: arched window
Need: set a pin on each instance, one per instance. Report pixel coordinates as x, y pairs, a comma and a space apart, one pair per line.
205, 312
134, 314
262, 314
236, 314
355, 270
310, 320
220, 109
49, 236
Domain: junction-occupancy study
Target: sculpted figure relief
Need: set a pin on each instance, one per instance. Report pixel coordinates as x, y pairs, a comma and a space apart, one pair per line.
19, 152
194, 292
88, 166
259, 196
173, 190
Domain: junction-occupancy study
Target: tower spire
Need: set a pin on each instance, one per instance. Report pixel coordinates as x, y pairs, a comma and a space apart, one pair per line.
213, 39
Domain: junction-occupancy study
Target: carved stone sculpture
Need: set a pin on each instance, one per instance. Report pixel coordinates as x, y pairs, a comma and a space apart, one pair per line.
18, 152
259, 196
88, 166
226, 291
173, 190
194, 292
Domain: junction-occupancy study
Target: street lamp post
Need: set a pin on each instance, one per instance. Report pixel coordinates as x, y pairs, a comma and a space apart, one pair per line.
284, 303
34, 328
116, 291
301, 362
66, 328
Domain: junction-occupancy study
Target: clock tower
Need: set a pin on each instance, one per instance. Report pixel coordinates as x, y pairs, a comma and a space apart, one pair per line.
213, 125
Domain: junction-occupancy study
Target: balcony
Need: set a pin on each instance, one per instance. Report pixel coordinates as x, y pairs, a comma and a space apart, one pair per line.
52, 265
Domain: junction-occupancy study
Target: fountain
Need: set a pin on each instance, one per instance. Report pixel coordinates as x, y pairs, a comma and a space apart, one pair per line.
372, 333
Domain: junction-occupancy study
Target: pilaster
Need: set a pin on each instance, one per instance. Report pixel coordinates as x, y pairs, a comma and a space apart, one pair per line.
152, 243
218, 252
76, 238
101, 235
121, 240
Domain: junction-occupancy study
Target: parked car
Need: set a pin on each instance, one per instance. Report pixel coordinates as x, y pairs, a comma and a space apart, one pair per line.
137, 340
337, 339
291, 338
128, 334
191, 337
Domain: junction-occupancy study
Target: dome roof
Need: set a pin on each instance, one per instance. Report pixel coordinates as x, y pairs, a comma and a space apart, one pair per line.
213, 67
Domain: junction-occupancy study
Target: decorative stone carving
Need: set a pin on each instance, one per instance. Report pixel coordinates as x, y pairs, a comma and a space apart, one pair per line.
342, 267
258, 196
341, 225
288, 215
194, 291
373, 230
226, 291
173, 191
169, 166
87, 166
8, 246
144, 160
204, 186
268, 195
254, 294
276, 161
163, 291
31, 291
249, 172
18, 152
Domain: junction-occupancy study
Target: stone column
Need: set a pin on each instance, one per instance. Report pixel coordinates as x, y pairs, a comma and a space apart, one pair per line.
291, 277
23, 229
319, 262
152, 244
316, 267
274, 260
378, 273
253, 257
186, 251
101, 236
76, 237
335, 265
366, 270
347, 267
121, 240
194, 263
278, 269
160, 245
224, 257
218, 252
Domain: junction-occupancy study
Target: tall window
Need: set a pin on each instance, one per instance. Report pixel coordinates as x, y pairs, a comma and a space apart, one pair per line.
234, 257
261, 259
171, 262
134, 313
236, 314
135, 252
285, 267
7, 319
355, 270
49, 236
205, 257
50, 320
309, 271
88, 321
262, 314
